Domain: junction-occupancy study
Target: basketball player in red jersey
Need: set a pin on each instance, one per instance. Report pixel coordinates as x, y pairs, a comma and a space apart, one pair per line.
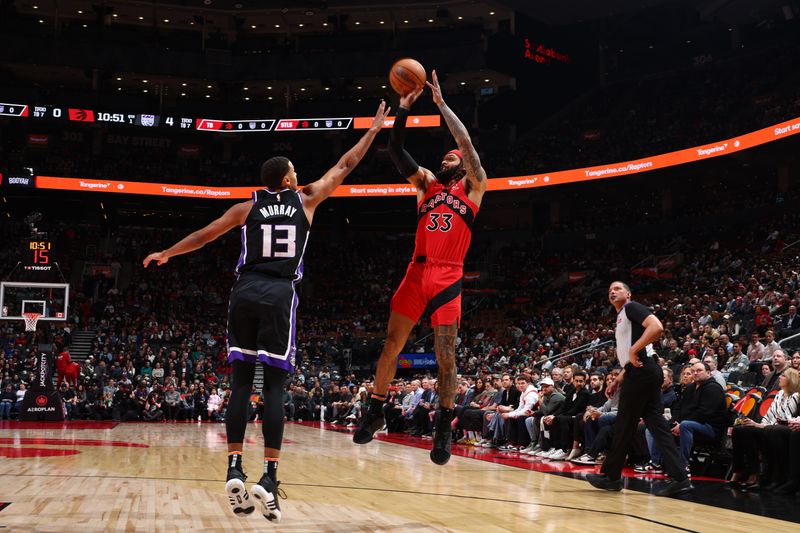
447, 202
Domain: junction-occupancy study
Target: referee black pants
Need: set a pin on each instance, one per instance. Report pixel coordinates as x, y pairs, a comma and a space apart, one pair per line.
640, 397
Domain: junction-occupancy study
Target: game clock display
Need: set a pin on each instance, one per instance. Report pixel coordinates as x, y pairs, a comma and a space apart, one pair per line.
36, 255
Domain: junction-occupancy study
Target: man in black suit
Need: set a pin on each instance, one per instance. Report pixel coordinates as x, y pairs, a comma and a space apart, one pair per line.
790, 324
701, 415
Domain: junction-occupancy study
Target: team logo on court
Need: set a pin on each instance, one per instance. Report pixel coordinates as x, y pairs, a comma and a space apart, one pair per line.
41, 400
148, 120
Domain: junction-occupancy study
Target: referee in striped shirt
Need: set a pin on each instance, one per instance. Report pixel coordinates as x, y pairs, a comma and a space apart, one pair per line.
640, 395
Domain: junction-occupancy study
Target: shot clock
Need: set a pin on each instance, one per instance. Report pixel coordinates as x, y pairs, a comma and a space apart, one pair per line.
36, 254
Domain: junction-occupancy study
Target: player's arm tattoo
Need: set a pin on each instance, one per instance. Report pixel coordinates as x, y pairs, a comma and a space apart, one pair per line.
471, 160
446, 358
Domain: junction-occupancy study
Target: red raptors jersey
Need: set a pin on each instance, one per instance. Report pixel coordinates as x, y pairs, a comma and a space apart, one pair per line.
444, 223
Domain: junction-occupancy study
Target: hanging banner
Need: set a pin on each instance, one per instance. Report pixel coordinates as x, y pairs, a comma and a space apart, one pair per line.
612, 170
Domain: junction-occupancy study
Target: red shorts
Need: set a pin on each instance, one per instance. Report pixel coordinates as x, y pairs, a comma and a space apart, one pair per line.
434, 288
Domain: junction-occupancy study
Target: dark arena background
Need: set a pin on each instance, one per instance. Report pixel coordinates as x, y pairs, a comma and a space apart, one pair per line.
651, 142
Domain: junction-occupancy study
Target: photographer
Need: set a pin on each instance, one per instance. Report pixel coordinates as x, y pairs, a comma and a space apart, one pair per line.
124, 406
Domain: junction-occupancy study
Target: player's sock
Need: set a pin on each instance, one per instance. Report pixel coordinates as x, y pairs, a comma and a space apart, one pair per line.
235, 460
376, 402
271, 468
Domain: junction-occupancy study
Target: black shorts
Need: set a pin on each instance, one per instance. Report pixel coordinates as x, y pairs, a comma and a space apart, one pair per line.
262, 321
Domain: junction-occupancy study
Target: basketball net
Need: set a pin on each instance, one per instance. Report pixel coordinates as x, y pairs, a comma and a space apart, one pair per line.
30, 320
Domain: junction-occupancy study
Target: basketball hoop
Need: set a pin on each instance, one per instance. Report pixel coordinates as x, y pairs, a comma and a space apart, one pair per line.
30, 320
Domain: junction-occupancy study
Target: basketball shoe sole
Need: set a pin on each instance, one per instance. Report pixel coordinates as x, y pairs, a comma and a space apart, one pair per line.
238, 498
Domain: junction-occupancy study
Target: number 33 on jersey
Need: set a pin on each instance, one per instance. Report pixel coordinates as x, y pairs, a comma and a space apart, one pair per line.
274, 235
444, 223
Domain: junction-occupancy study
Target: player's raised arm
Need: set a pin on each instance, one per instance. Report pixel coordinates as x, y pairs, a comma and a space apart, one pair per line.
405, 164
235, 216
476, 176
317, 191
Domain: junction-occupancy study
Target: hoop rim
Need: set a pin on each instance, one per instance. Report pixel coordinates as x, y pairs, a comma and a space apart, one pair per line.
31, 318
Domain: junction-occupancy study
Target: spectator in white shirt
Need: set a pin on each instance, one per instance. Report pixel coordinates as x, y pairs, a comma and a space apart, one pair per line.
518, 437
20, 396
214, 406
770, 346
755, 352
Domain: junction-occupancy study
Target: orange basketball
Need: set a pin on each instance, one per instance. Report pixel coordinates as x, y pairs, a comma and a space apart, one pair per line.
407, 75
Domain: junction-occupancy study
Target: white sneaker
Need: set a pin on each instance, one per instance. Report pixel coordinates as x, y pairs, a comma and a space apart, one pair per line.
559, 455
526, 450
543, 453
585, 459
481, 442
574, 454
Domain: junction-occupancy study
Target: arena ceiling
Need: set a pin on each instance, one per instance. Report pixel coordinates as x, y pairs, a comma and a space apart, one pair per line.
267, 16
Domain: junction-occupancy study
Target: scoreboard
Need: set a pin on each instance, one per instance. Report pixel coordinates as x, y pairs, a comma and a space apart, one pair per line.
251, 125
36, 254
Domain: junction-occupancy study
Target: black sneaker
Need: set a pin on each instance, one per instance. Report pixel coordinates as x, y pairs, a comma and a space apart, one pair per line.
240, 501
371, 423
601, 481
267, 492
675, 488
443, 437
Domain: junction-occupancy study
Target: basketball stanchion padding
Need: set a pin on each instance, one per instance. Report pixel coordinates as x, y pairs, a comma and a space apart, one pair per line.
41, 402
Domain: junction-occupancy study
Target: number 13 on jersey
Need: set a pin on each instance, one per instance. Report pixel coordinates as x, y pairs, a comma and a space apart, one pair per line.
275, 248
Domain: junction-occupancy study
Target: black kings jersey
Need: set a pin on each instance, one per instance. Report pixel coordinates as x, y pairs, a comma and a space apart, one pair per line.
274, 235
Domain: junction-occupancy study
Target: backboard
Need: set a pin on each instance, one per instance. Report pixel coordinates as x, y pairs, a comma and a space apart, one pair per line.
51, 300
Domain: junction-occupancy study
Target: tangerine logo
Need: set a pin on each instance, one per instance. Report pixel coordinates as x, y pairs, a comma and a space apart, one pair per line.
41, 400
404, 362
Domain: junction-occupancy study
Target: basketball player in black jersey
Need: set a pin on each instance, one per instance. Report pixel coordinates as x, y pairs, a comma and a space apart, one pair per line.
261, 314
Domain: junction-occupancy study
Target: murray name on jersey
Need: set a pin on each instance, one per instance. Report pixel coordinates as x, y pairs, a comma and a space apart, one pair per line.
281, 210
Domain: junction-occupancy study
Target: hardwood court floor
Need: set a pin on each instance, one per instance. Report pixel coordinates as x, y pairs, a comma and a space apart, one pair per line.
169, 477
